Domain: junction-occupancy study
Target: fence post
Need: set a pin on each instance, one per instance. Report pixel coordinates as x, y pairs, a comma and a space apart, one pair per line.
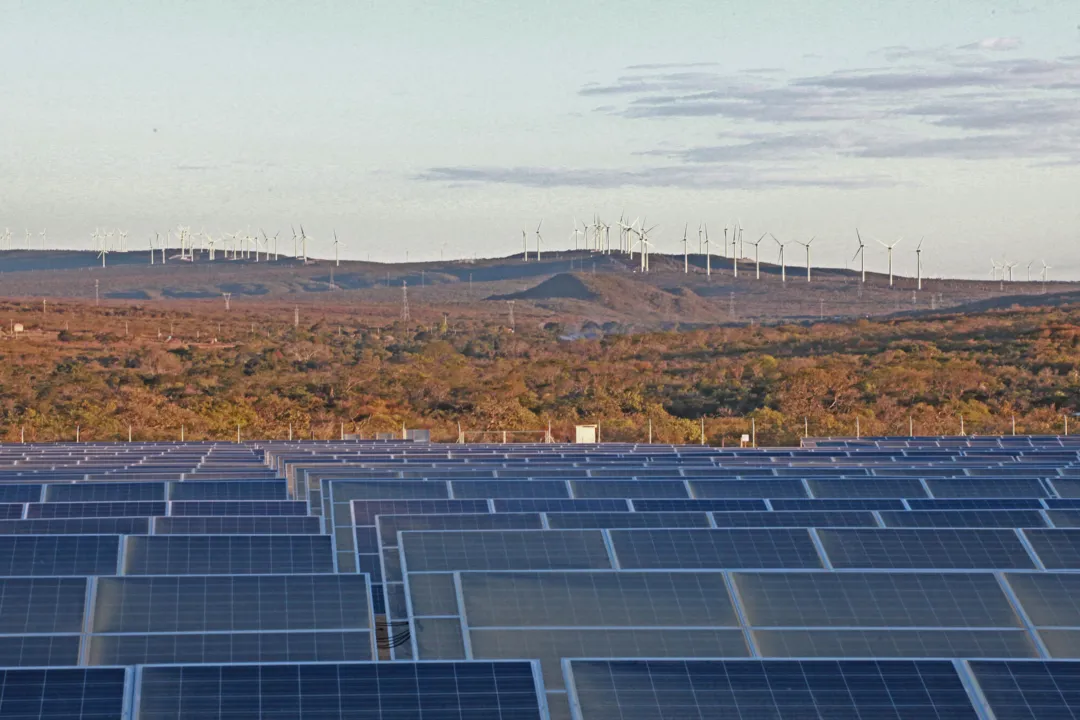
753, 432
702, 429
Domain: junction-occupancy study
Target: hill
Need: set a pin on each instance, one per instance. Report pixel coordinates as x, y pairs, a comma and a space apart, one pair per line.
567, 287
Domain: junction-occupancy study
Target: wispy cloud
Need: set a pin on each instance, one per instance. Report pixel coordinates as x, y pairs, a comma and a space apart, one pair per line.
676, 176
774, 129
996, 44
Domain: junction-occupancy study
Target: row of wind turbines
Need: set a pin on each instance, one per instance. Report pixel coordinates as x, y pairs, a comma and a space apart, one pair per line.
241, 245
596, 237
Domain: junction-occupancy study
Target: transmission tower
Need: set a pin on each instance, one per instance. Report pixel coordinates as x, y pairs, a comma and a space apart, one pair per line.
404, 301
226, 296
511, 304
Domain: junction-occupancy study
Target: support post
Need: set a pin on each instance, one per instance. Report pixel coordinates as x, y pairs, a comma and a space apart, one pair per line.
753, 432
702, 429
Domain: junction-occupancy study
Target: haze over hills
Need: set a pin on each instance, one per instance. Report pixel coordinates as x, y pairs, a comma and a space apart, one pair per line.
570, 287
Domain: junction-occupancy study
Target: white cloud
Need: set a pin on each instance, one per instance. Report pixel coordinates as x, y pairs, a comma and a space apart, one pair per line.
996, 44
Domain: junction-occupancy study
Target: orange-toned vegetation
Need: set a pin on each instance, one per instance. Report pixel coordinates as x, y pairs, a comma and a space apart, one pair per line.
105, 368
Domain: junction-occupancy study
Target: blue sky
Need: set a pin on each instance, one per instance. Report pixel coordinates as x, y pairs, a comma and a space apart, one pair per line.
446, 127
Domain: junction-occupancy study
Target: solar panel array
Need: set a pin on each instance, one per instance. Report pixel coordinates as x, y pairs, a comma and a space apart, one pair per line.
900, 578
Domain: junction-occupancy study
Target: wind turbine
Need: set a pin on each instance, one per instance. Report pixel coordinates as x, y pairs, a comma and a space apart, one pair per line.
104, 251
735, 231
303, 242
539, 239
783, 264
151, 246
685, 254
757, 257
918, 265
708, 253
210, 246
574, 234
645, 247
43, 240
1029, 270
1045, 269
860, 255
525, 245
807, 245
337, 243
295, 252
994, 267
889, 248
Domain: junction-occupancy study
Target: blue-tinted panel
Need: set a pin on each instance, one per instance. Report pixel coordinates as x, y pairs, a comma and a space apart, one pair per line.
975, 504
718, 505
510, 489
402, 691
825, 518
238, 525
714, 549
391, 525
568, 505
230, 648
77, 526
365, 511
748, 488
838, 504
228, 555
41, 605
988, 487
62, 694
870, 487
104, 492
1058, 549
1034, 690
965, 518
504, 550
58, 555
95, 509
39, 650
19, 493
773, 689
238, 507
925, 549
229, 490
628, 520
629, 489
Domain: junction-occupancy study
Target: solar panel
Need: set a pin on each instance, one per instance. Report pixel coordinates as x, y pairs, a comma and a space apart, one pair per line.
518, 505
1048, 599
868, 488
894, 643
629, 488
628, 520
597, 599
39, 650
717, 505
104, 492
925, 548
76, 526
63, 694
714, 549
504, 550
431, 691
236, 507
183, 648
975, 504
390, 525
94, 509
12, 493
777, 488
41, 605
988, 488
874, 600
1058, 549
745, 689
237, 525
965, 519
228, 554
229, 490
827, 504
230, 604
778, 519
53, 555
510, 489
1030, 690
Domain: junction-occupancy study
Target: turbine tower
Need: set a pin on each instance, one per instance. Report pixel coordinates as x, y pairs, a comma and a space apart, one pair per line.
807, 246
757, 256
918, 264
539, 239
685, 254
889, 248
860, 255
783, 265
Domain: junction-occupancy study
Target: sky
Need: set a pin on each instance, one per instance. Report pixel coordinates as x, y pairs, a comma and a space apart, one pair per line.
441, 129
